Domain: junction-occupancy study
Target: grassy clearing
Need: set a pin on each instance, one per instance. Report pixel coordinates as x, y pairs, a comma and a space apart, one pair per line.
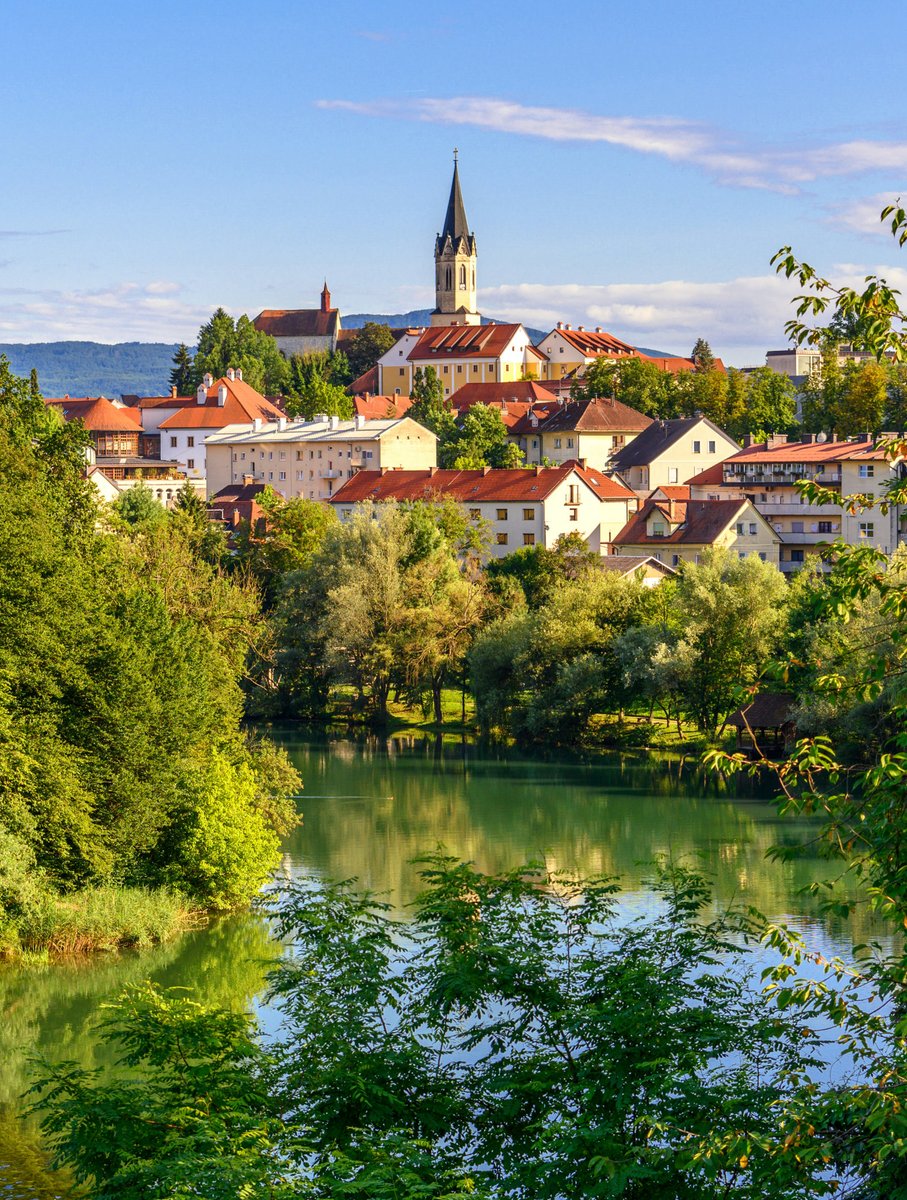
98, 918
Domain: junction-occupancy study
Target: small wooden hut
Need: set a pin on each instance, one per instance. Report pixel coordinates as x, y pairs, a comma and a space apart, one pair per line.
765, 723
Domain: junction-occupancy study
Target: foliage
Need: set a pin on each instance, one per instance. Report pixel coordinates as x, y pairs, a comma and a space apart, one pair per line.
292, 534
184, 376
702, 355
479, 440
121, 651
370, 343
429, 405
225, 343
517, 1037
138, 508
538, 570
315, 384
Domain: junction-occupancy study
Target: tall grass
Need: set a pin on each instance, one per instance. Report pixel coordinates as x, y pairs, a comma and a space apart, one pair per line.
101, 918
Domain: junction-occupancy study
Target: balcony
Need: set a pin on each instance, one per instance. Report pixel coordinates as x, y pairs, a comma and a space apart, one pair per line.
330, 473
806, 539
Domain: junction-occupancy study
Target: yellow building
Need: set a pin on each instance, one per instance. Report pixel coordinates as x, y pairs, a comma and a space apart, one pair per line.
676, 532
459, 354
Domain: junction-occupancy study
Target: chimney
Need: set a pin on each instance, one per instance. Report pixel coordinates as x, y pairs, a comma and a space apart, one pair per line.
173, 391
231, 374
202, 394
560, 325
582, 463
747, 441
432, 470
598, 329
360, 421
566, 326
322, 418
281, 423
334, 422
485, 470
581, 329
238, 374
256, 424
222, 395
208, 379
671, 517
247, 480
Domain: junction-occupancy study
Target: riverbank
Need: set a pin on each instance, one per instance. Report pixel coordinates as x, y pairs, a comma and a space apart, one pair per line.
95, 919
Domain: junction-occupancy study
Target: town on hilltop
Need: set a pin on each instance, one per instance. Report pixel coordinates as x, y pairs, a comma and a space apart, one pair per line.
651, 459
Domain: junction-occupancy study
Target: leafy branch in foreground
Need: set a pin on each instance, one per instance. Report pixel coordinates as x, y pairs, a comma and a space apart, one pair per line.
516, 1036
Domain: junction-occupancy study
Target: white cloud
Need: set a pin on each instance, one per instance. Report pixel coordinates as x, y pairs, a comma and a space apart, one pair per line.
122, 312
862, 215
673, 138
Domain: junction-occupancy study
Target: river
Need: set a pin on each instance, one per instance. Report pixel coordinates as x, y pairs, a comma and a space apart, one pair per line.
372, 804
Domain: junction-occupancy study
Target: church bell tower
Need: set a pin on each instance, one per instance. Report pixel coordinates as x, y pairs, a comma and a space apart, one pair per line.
455, 264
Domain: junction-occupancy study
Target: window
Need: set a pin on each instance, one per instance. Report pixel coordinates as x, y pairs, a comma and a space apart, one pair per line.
569, 443
573, 493
190, 440
796, 556
535, 443
528, 539
501, 539
557, 443
866, 471
283, 454
270, 454
672, 474
270, 474
825, 527
574, 514
796, 526
675, 560
172, 442
658, 530
867, 529
762, 555
242, 456
740, 529
281, 475
752, 528
528, 514
502, 514
697, 447
190, 463
741, 554
712, 447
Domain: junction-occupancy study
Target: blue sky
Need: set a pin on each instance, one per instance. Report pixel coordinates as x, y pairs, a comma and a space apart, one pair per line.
627, 166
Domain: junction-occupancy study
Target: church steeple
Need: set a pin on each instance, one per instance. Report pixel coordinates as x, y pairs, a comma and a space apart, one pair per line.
455, 263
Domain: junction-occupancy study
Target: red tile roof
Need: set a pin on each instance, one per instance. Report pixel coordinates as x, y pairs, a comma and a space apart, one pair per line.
523, 391
672, 491
711, 475
596, 343
675, 365
378, 408
164, 401
604, 486
464, 341
243, 404
809, 452
97, 414
596, 416
298, 322
367, 382
700, 522
469, 487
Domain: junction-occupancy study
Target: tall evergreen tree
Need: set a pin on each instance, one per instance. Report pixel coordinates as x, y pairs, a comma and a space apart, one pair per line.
702, 355
184, 376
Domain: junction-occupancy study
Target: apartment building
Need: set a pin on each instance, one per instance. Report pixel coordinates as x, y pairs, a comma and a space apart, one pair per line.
312, 459
677, 531
669, 452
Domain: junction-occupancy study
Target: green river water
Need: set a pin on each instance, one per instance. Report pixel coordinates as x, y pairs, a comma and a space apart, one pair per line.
369, 806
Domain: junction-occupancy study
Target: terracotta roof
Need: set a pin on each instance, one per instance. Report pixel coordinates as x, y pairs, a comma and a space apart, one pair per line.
596, 343
367, 382
464, 341
701, 522
98, 414
674, 364
233, 493
809, 452
604, 486
656, 438
467, 487
672, 491
374, 408
164, 401
298, 322
520, 390
596, 416
711, 475
243, 404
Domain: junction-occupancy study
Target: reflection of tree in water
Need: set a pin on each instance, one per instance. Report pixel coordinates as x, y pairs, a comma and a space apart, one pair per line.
372, 804
51, 1011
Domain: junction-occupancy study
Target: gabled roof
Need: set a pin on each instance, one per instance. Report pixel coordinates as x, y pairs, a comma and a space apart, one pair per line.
464, 341
298, 322
523, 391
810, 452
235, 493
164, 401
628, 564
367, 382
97, 414
708, 478
374, 408
671, 491
596, 416
766, 710
698, 522
467, 487
674, 364
604, 486
243, 404
658, 437
595, 343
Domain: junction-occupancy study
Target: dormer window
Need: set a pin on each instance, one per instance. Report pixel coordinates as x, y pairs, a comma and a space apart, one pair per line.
658, 529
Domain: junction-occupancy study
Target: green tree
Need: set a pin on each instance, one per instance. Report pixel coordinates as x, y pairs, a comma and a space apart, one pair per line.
370, 343
702, 355
184, 377
294, 531
862, 400
138, 507
479, 440
430, 407
636, 382
311, 392
225, 343
770, 402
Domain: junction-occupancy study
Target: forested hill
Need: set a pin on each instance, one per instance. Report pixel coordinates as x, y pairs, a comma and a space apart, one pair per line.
94, 368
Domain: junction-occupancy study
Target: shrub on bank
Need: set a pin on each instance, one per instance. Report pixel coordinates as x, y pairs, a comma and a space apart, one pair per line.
96, 918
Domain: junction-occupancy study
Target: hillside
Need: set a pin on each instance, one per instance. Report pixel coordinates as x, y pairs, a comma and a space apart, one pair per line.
94, 368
